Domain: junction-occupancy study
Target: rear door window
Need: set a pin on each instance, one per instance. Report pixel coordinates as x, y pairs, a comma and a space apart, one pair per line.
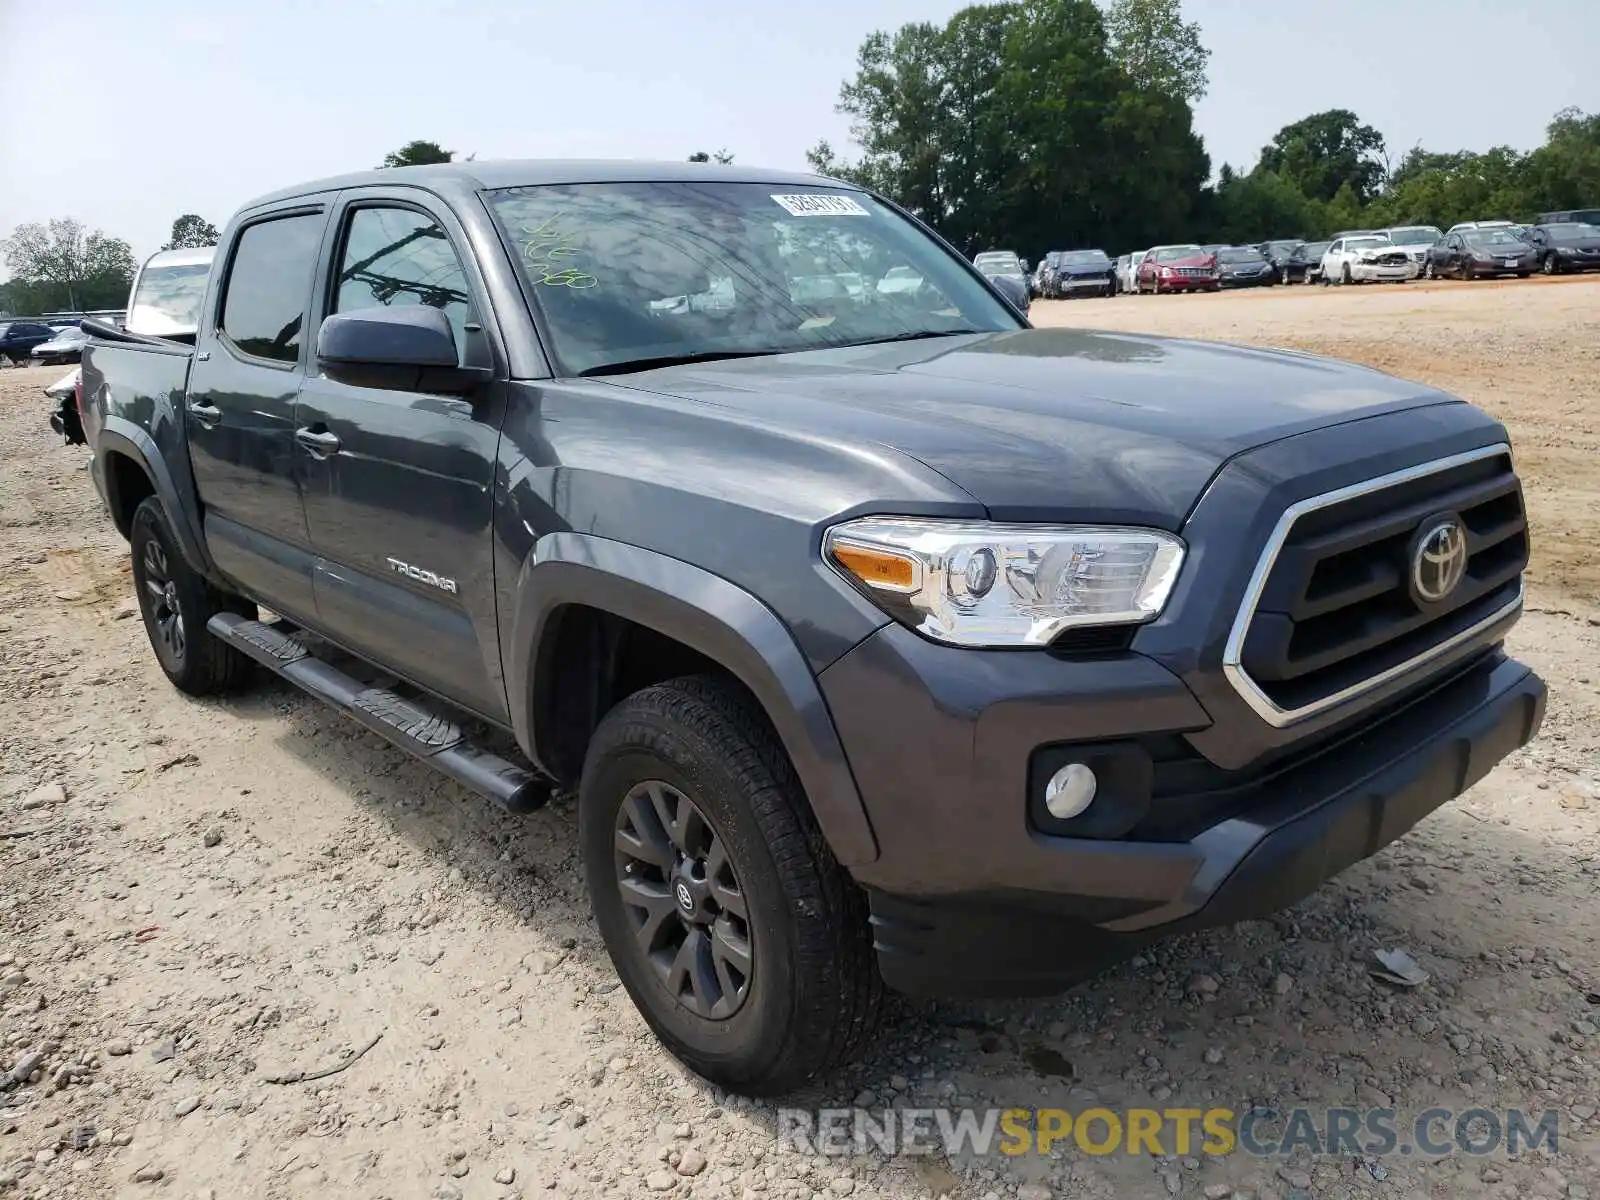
269, 286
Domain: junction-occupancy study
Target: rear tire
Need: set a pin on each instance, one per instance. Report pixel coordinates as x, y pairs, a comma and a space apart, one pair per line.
176, 603
751, 872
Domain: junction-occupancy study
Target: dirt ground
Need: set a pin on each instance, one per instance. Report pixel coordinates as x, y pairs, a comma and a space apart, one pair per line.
198, 898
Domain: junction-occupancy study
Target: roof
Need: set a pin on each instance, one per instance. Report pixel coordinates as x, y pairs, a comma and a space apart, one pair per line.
196, 256
529, 172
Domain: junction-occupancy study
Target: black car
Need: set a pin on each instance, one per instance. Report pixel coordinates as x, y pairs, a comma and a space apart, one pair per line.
1479, 252
1566, 246
18, 339
1244, 266
1083, 273
1288, 259
1312, 252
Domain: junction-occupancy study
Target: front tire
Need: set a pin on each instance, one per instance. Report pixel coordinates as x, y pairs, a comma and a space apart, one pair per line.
742, 942
1345, 277
1551, 265
176, 603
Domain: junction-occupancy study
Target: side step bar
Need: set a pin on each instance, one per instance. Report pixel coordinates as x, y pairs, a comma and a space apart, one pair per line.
411, 724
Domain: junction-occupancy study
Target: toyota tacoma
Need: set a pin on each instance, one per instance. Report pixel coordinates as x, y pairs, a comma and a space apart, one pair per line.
886, 641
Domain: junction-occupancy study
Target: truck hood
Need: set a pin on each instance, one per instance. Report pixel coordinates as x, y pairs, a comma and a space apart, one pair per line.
1050, 424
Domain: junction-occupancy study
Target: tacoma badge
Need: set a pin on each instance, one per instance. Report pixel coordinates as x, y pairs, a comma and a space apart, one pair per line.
423, 575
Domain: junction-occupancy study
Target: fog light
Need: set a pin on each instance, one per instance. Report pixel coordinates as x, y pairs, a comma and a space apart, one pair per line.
1070, 791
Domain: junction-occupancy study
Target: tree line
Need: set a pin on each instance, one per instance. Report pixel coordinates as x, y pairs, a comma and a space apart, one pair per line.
1055, 124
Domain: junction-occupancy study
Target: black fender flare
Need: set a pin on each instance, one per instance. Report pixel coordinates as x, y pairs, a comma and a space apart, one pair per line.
712, 616
118, 435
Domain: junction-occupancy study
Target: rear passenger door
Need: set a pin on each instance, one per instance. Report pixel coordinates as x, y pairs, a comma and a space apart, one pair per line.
399, 484
240, 408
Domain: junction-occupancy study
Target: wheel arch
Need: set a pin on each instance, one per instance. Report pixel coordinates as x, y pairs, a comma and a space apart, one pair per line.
577, 594
132, 469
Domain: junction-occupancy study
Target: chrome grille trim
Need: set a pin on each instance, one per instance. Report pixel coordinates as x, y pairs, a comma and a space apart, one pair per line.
1233, 651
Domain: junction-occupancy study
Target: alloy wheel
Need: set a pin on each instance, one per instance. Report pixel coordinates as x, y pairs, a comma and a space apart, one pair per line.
690, 918
166, 613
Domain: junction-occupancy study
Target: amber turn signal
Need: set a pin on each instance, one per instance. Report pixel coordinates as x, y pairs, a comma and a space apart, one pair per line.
877, 568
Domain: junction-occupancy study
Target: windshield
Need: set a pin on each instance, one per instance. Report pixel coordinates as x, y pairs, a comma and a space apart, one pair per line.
1365, 243
1085, 258
1284, 247
1572, 229
1414, 235
167, 302
1239, 254
626, 272
1178, 252
1494, 237
1002, 262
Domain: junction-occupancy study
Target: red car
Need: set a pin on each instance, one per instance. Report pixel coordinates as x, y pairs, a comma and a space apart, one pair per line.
1177, 269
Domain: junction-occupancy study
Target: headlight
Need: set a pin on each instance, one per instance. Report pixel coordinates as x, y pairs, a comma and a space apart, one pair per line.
982, 584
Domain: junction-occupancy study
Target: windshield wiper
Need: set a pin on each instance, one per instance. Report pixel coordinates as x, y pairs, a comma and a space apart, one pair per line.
912, 335
672, 360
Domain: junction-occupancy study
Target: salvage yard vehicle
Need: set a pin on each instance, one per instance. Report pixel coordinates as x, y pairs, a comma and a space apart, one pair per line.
1415, 240
19, 338
1567, 246
65, 347
1177, 269
1366, 259
887, 641
1244, 266
1288, 259
1313, 253
1475, 253
1083, 273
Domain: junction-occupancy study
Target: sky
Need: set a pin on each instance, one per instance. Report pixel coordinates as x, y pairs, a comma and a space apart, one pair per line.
126, 113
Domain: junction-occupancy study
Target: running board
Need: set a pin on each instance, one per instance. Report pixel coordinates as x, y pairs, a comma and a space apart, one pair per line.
414, 725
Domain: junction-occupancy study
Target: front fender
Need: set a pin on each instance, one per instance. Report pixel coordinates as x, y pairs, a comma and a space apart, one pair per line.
118, 435
718, 619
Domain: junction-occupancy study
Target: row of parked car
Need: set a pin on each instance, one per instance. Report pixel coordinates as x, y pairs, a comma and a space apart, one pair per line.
37, 341
1555, 244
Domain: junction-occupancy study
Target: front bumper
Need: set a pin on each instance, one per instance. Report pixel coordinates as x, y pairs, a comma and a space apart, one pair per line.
1377, 273
991, 906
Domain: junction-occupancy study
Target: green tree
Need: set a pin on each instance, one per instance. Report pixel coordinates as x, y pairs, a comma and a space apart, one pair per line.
417, 153
1159, 50
61, 266
716, 156
1013, 125
1323, 152
190, 232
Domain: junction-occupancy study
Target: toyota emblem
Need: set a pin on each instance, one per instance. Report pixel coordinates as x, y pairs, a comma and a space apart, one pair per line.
1438, 560
685, 897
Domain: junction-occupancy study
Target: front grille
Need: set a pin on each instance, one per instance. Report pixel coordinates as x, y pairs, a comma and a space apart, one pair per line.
1334, 612
1396, 258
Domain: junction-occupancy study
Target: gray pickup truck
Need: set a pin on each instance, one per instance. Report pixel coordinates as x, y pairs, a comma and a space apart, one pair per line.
888, 643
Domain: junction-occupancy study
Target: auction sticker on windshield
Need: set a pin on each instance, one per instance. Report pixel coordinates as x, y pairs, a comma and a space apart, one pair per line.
816, 204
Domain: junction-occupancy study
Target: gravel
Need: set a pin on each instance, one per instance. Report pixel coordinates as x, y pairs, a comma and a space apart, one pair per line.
195, 968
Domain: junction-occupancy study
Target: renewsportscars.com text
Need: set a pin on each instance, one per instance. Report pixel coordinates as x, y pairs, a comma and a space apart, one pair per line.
1259, 1132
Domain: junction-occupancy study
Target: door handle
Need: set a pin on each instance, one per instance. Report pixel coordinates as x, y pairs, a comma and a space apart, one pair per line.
321, 443
207, 414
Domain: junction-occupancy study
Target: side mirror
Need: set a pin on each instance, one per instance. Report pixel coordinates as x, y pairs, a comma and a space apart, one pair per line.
411, 348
